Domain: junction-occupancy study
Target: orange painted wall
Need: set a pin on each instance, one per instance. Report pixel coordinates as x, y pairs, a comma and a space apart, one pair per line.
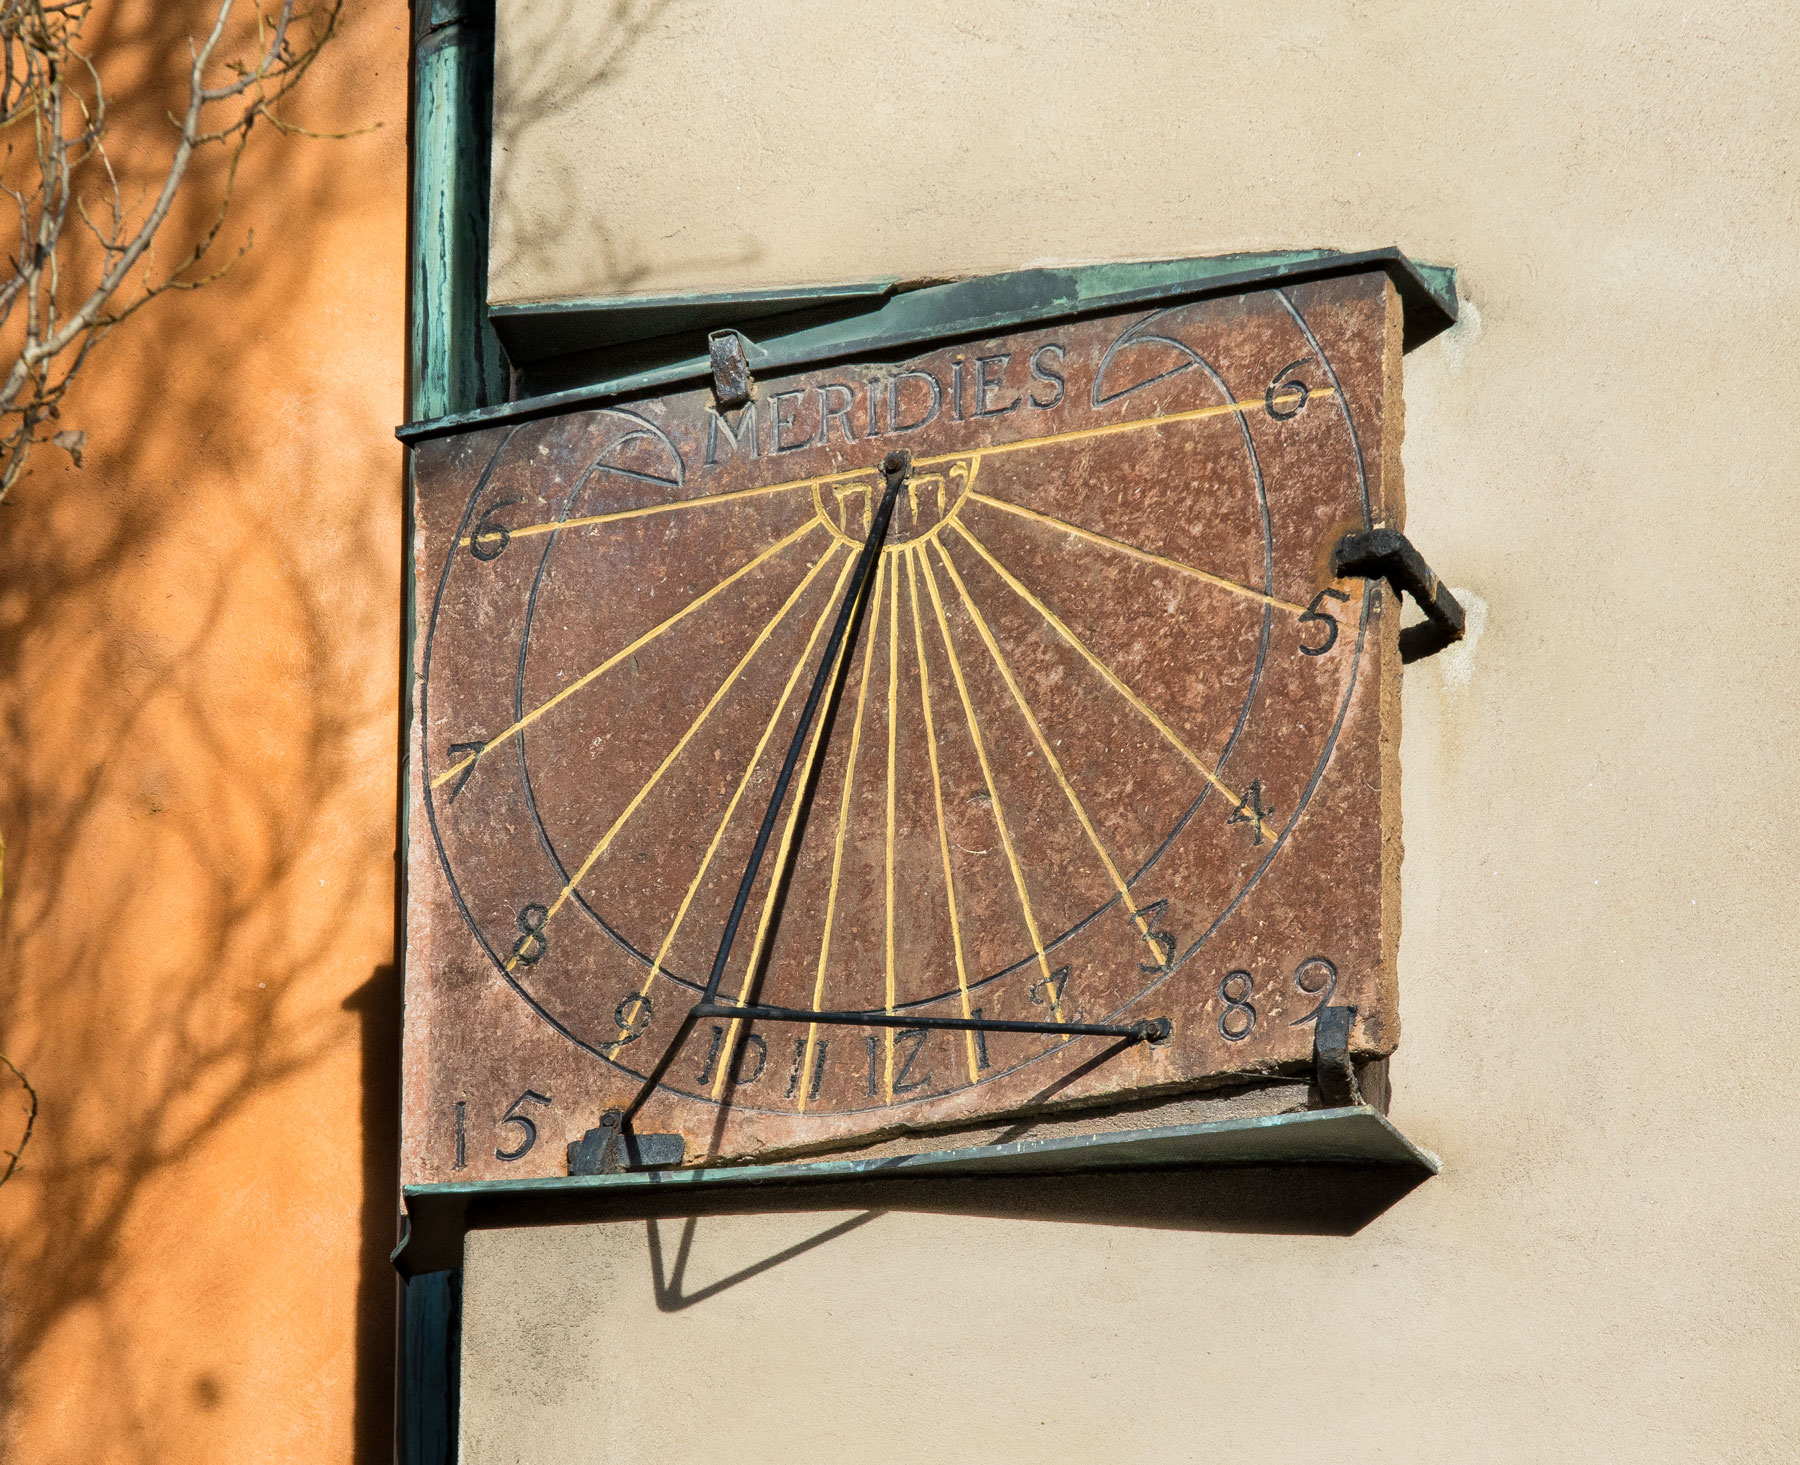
198, 667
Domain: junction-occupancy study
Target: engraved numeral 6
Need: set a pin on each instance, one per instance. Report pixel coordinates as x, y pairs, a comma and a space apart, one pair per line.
489, 540
1291, 392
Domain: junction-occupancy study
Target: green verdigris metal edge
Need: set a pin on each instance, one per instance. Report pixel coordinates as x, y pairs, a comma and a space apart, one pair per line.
536, 330
994, 303
1360, 1136
454, 364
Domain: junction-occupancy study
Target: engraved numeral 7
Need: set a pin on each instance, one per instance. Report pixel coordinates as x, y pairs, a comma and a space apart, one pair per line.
457, 752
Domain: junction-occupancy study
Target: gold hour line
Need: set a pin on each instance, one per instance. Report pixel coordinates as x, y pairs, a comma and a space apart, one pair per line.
893, 705
637, 645
1195, 414
666, 508
937, 794
837, 849
1139, 554
728, 1051
1055, 764
1137, 424
1200, 766
1012, 860
675, 752
731, 808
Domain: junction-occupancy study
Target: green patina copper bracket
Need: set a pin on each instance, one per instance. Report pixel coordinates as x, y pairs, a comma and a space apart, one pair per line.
608, 349
1357, 1139
454, 363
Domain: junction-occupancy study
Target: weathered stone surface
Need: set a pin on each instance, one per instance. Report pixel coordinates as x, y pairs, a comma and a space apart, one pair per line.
1094, 756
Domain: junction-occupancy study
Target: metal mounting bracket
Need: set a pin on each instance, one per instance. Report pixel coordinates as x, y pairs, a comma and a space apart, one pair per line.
731, 379
1332, 1069
1387, 554
609, 1149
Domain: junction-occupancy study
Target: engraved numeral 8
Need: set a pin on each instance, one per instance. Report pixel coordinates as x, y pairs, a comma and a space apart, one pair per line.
1239, 1016
530, 948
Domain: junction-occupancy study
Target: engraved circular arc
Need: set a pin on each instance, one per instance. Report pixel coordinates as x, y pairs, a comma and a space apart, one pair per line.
643, 428
1124, 1008
949, 511
462, 906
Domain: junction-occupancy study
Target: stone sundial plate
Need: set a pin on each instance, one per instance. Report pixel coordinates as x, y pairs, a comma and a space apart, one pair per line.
1108, 743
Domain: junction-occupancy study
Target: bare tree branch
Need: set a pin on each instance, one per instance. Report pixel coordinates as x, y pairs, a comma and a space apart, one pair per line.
69, 287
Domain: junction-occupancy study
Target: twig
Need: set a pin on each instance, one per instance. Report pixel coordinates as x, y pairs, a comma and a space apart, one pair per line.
12, 1163
48, 81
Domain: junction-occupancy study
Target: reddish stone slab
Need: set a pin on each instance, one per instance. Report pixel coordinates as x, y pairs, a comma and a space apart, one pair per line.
1110, 743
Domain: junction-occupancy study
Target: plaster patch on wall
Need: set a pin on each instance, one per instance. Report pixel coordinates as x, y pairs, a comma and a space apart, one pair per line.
1461, 336
1456, 662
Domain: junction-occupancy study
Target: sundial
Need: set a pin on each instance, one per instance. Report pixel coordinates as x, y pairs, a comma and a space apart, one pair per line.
997, 727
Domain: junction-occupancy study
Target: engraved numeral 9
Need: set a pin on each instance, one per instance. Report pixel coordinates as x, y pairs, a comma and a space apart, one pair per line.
633, 1015
1316, 977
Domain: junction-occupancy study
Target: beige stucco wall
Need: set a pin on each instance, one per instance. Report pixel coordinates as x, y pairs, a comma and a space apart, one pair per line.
1597, 963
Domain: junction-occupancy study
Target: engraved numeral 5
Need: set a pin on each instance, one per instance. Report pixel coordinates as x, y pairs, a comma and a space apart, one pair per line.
513, 1116
1325, 618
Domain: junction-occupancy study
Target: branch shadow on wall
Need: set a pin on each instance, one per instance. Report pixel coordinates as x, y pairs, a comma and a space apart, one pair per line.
536, 86
197, 662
